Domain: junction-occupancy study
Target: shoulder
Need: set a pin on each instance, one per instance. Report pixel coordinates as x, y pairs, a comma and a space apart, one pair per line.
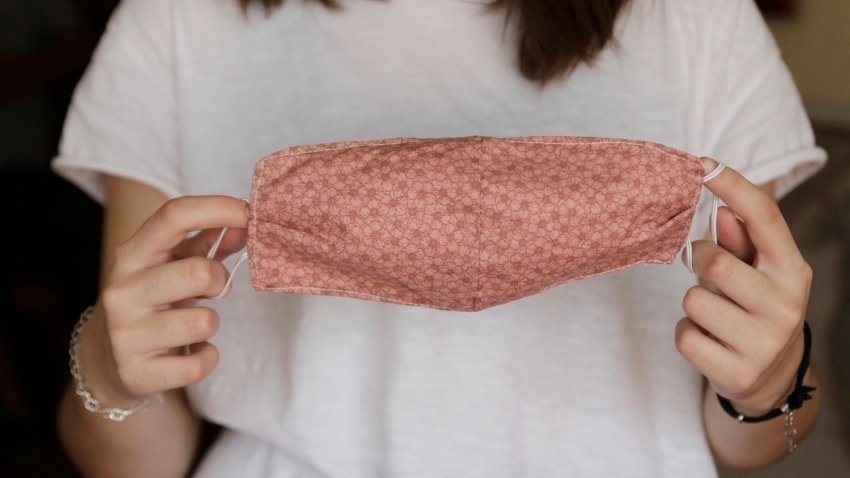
144, 11
707, 11
136, 24
705, 17
702, 36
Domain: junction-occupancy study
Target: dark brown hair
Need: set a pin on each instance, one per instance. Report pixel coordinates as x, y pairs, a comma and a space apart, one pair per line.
554, 36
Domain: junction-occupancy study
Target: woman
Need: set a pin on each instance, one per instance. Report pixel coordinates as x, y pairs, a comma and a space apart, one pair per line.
598, 377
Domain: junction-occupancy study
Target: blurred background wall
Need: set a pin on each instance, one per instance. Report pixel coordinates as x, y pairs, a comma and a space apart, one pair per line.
815, 42
51, 235
51, 232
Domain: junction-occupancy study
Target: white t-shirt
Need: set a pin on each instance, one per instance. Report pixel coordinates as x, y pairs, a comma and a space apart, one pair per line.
580, 380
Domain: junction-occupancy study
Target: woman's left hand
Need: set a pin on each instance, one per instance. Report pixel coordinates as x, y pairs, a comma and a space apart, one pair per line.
744, 324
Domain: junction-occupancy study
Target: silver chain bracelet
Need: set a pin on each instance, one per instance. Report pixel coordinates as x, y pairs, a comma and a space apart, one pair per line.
89, 402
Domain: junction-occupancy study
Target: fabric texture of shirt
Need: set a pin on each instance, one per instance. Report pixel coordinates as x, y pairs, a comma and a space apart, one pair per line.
582, 379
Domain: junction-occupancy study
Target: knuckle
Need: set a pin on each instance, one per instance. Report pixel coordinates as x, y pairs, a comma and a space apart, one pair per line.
121, 249
203, 323
112, 297
770, 348
195, 371
120, 253
791, 317
118, 339
122, 260
128, 376
806, 272
771, 212
743, 380
692, 298
201, 364
685, 343
199, 270
719, 267
790, 311
171, 211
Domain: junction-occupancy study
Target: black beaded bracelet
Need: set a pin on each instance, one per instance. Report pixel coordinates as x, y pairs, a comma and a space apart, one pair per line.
794, 401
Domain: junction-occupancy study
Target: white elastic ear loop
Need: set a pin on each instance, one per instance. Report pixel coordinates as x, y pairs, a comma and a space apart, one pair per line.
241, 259
712, 218
211, 255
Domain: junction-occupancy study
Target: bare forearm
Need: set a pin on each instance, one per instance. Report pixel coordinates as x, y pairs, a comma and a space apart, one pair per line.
159, 441
755, 445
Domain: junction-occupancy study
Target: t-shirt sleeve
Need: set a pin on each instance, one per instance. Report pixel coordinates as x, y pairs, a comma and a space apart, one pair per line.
123, 115
754, 116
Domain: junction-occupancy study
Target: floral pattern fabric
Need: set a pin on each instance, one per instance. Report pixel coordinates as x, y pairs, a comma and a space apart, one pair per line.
464, 223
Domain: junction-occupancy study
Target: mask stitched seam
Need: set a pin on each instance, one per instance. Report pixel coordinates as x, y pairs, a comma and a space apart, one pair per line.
641, 144
255, 192
588, 140
399, 301
695, 202
283, 154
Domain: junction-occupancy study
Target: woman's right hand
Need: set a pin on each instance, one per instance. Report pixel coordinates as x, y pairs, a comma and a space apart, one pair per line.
133, 345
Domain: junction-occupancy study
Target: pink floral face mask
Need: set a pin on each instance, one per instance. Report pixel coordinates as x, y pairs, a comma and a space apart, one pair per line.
465, 223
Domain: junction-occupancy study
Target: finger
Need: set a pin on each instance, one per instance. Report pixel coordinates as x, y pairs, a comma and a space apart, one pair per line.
738, 281
174, 281
168, 226
761, 215
711, 358
200, 244
732, 236
723, 319
173, 328
168, 372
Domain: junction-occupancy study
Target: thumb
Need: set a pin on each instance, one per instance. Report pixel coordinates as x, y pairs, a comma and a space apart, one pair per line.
732, 235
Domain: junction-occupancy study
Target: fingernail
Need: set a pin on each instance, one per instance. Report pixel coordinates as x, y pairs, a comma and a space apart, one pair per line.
708, 164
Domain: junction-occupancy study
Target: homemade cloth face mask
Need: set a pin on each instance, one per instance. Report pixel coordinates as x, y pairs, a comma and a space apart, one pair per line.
465, 223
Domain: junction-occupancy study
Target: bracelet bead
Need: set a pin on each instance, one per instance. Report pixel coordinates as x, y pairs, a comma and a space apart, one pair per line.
89, 402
